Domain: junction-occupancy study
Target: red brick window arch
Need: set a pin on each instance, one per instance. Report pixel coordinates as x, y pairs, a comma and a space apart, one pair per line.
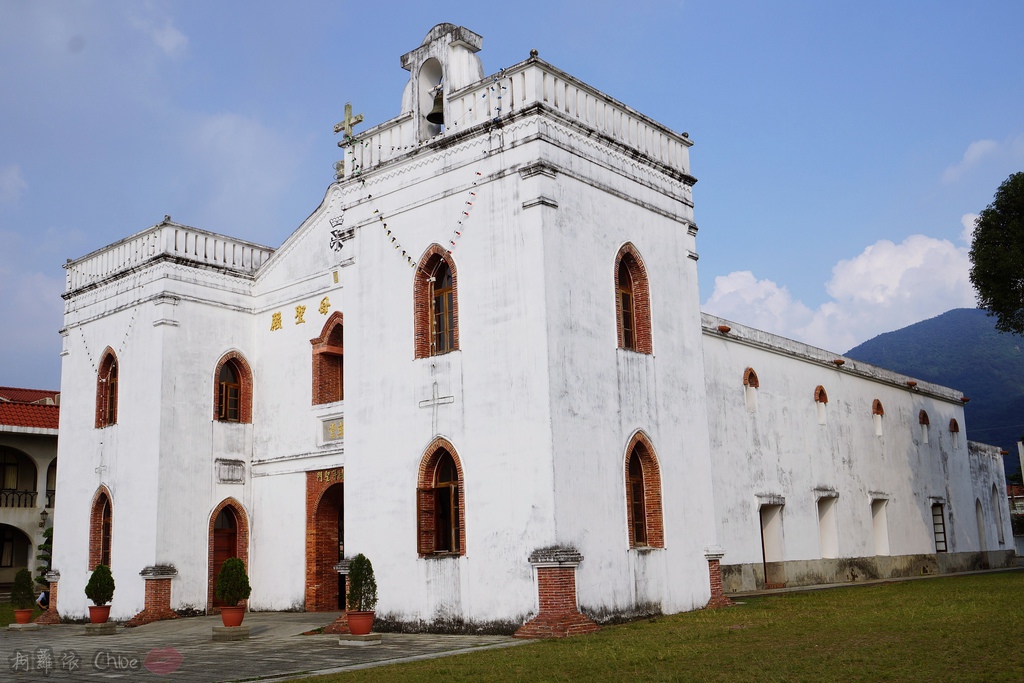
632, 301
100, 527
232, 389
329, 361
435, 304
954, 426
643, 495
107, 389
440, 502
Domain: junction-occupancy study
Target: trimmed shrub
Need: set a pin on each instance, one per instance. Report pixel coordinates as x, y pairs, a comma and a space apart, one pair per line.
100, 588
232, 582
362, 586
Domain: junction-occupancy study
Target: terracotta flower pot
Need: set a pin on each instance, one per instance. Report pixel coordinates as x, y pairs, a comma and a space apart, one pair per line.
360, 623
22, 616
232, 616
98, 614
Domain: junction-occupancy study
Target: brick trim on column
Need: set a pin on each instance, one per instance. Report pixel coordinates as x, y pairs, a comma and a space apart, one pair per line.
245, 385
158, 596
654, 517
50, 616
319, 538
714, 555
641, 291
558, 614
241, 545
422, 303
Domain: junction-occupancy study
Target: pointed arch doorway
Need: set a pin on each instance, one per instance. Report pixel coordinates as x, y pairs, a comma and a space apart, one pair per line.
229, 537
325, 538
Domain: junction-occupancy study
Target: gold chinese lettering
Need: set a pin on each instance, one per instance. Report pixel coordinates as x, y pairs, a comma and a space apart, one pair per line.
325, 306
275, 321
299, 312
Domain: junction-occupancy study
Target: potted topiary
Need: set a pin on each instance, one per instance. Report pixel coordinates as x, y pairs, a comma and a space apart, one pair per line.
100, 590
362, 595
22, 596
232, 588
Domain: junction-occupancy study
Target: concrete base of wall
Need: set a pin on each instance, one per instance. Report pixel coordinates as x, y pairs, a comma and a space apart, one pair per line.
741, 578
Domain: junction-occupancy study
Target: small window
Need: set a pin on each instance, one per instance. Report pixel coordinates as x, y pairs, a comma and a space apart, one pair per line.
442, 309
632, 301
441, 509
820, 401
106, 390
939, 528
436, 304
232, 391
329, 362
877, 412
643, 496
100, 527
229, 393
954, 430
750, 385
922, 419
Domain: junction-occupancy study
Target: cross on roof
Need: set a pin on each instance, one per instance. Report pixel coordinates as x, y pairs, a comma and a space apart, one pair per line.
349, 121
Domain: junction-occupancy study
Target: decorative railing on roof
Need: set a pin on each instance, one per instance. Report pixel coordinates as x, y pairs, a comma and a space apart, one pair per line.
166, 239
526, 84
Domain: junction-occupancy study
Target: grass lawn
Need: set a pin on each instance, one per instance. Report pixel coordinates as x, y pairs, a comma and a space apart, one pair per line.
7, 613
968, 628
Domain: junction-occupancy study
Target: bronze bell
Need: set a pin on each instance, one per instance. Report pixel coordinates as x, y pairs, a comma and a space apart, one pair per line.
436, 114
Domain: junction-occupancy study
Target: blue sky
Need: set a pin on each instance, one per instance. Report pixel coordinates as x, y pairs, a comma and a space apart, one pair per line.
841, 148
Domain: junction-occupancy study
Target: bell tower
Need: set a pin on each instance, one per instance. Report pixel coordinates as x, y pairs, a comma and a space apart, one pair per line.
445, 62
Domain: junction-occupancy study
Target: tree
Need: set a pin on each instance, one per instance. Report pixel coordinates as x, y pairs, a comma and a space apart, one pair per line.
997, 256
45, 556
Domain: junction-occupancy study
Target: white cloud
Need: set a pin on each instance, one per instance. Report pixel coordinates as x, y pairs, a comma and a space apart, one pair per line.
241, 169
885, 287
968, 220
162, 32
976, 151
12, 184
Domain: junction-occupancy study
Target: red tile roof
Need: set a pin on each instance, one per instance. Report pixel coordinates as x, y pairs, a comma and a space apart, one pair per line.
26, 395
29, 415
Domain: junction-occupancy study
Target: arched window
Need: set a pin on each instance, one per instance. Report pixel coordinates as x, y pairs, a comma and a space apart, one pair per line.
106, 390
750, 385
51, 483
954, 430
441, 508
232, 389
100, 528
922, 419
632, 301
643, 495
820, 401
877, 412
17, 479
329, 361
436, 304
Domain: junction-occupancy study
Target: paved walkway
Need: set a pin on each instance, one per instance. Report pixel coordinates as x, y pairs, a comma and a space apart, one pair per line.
183, 650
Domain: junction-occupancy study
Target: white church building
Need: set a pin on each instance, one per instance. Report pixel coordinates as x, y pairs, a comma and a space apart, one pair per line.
482, 363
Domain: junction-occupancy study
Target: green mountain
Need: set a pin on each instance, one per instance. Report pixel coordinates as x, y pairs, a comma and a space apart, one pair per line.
962, 349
